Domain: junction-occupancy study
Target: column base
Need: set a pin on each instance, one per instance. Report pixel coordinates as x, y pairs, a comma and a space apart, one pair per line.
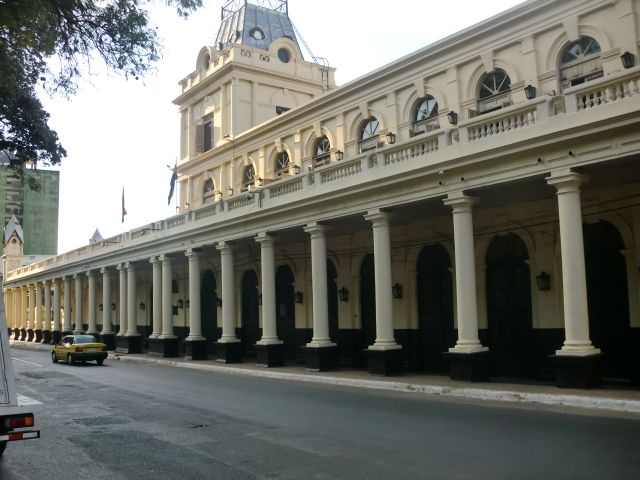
574, 371
270, 355
16, 334
66, 332
129, 344
9, 332
56, 336
321, 359
228, 352
109, 339
46, 336
37, 336
387, 362
163, 347
23, 334
195, 349
468, 367
30, 335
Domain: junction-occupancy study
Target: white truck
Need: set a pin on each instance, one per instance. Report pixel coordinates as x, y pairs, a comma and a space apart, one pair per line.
16, 411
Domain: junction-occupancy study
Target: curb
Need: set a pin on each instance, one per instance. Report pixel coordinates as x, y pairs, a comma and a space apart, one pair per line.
497, 395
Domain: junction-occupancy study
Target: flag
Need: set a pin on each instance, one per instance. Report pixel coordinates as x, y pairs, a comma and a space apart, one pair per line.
124, 210
172, 182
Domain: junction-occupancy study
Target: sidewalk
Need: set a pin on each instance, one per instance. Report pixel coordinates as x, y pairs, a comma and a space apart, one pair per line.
608, 399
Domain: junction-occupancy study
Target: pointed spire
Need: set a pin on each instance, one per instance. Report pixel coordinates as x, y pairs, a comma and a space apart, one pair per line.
96, 238
13, 226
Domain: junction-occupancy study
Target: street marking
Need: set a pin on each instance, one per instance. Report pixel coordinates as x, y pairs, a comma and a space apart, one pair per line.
24, 361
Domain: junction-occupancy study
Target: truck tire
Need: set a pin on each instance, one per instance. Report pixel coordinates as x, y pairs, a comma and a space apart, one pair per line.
3, 445
100, 361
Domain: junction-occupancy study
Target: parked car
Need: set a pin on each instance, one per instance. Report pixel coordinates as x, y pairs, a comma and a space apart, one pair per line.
83, 348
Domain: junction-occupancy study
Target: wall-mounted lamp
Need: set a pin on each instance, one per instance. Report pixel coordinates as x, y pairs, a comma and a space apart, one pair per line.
391, 138
296, 169
530, 92
339, 155
258, 181
180, 303
100, 307
299, 296
396, 290
142, 306
628, 60
544, 281
259, 299
230, 191
219, 302
187, 303
453, 117
343, 294
113, 306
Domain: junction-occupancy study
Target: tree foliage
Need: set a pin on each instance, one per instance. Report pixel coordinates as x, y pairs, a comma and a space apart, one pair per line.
35, 35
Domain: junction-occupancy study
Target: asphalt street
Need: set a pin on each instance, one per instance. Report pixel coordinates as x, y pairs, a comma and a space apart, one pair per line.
134, 421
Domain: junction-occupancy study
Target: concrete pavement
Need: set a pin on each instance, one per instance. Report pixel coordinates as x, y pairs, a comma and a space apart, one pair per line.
607, 399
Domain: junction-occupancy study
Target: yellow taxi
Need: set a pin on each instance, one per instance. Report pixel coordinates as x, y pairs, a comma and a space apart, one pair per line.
82, 348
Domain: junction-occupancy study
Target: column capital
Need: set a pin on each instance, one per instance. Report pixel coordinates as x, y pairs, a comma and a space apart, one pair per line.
153, 260
165, 258
377, 217
225, 246
265, 238
90, 273
48, 282
315, 228
104, 270
566, 180
121, 267
460, 202
192, 252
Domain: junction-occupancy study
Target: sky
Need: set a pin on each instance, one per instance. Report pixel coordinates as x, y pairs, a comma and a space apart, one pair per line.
121, 134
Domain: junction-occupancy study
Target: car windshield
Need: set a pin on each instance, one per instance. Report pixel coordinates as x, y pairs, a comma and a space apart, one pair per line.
85, 339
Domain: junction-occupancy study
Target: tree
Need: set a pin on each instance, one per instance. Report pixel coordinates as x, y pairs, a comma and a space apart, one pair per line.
35, 35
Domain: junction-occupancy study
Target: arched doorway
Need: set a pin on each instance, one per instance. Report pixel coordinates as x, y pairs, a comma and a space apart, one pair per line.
607, 297
367, 306
208, 308
332, 299
286, 312
509, 307
435, 308
250, 313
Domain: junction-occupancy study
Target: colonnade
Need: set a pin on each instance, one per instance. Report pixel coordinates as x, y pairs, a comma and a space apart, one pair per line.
40, 321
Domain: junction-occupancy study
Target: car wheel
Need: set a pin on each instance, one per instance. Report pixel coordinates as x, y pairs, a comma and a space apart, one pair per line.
54, 359
70, 359
100, 361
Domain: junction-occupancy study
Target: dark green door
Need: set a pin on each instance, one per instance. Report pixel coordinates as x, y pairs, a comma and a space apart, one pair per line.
286, 312
250, 316
367, 306
208, 309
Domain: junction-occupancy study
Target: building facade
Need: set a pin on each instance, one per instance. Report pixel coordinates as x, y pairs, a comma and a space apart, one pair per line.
471, 208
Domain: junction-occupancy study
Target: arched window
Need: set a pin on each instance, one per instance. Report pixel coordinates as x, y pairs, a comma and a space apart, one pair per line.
321, 151
425, 115
208, 191
282, 163
248, 177
368, 137
494, 91
580, 62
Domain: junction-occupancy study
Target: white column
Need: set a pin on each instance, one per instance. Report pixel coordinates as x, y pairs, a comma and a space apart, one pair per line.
576, 314
17, 307
92, 327
195, 319
122, 277
31, 319
132, 322
268, 283
107, 327
228, 294
67, 305
25, 312
79, 328
46, 318
385, 338
466, 298
37, 307
157, 297
319, 286
167, 307
56, 305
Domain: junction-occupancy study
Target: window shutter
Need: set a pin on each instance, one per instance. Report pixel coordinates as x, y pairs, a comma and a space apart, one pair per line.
199, 139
